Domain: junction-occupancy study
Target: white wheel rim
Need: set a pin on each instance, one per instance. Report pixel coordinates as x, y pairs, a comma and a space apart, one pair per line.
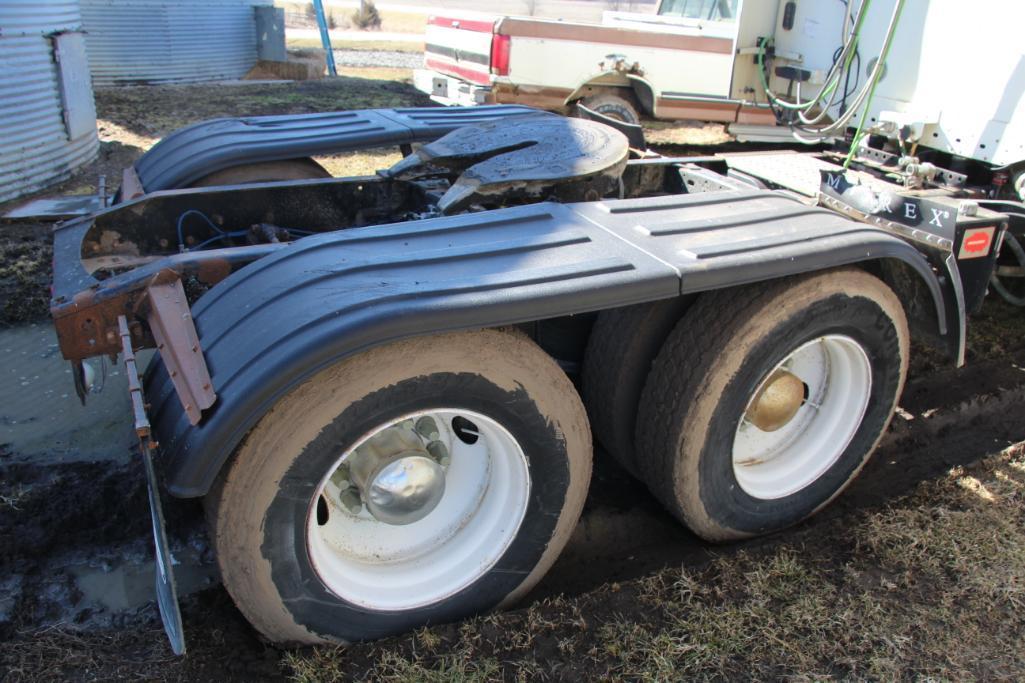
838, 378
389, 567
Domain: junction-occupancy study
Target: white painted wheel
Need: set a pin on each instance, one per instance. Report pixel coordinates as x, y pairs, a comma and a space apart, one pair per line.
767, 400
837, 378
418, 482
385, 566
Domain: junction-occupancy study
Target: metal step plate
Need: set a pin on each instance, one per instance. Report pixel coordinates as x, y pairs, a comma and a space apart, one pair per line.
789, 170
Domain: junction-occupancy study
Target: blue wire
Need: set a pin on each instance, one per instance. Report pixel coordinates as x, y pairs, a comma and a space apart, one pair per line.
221, 234
217, 238
181, 221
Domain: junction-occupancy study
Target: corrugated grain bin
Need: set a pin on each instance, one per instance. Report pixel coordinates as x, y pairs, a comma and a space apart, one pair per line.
170, 41
47, 114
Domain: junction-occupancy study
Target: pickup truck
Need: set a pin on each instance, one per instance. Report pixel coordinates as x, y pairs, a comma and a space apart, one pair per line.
689, 60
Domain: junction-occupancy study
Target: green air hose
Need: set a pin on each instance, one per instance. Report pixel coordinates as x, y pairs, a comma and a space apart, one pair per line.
833, 80
872, 89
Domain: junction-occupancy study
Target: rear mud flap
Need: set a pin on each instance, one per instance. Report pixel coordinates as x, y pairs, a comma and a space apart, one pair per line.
166, 588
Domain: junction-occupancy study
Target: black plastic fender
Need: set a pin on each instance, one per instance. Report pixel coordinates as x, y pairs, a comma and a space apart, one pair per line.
279, 320
203, 148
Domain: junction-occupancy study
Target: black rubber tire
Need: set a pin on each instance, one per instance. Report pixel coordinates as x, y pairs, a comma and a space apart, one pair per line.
623, 343
713, 362
264, 172
613, 106
1012, 257
257, 510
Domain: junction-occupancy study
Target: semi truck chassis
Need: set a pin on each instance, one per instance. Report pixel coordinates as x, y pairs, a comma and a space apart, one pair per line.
550, 231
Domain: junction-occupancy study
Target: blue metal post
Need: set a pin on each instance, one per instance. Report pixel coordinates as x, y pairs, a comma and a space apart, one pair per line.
325, 37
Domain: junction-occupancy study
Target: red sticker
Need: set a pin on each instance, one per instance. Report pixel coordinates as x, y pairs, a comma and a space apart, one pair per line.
976, 243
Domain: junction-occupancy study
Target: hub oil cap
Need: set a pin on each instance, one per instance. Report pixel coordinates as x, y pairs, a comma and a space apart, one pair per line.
777, 402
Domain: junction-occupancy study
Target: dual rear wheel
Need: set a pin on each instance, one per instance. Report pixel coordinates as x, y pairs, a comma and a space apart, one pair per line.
765, 402
434, 478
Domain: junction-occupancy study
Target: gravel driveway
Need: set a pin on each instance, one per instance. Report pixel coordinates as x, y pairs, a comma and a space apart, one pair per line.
389, 58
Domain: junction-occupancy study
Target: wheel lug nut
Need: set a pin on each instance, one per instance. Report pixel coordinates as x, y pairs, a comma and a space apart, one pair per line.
350, 500
439, 452
427, 427
340, 478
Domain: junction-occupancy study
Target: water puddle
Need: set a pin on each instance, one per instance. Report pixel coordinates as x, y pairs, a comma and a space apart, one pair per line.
124, 583
41, 418
99, 587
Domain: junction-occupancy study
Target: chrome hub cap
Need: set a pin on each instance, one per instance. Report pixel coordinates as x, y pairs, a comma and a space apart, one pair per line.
395, 474
406, 490
418, 509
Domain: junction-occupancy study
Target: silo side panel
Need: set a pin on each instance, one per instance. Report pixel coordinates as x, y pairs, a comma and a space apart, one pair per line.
36, 149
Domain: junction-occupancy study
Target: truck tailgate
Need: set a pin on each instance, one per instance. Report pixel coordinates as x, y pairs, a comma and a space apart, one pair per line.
460, 47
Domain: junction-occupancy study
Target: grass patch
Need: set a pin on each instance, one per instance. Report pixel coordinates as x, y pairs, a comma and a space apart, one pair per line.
931, 587
154, 111
365, 162
388, 73
396, 21
685, 133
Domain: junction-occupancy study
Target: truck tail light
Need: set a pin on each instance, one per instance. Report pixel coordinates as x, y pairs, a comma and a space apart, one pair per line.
500, 55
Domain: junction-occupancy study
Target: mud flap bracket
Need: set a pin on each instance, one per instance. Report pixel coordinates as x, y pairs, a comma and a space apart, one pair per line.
166, 587
170, 321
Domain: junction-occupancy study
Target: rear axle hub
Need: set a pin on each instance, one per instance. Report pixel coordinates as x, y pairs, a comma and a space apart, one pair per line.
396, 476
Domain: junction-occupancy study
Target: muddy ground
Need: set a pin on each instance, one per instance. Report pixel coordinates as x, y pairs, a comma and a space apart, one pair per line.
917, 572
924, 553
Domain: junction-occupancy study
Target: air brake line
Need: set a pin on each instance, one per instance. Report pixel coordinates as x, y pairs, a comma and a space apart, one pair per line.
829, 89
875, 81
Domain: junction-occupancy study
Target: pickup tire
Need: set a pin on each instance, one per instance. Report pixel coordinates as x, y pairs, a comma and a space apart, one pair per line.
767, 400
613, 106
305, 566
623, 343
264, 172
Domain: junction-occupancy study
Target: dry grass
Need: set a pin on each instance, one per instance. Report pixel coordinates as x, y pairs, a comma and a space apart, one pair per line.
365, 162
392, 21
699, 133
930, 588
141, 115
386, 74
403, 22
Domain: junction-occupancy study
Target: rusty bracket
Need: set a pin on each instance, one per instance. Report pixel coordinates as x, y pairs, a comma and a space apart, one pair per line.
170, 321
131, 186
142, 427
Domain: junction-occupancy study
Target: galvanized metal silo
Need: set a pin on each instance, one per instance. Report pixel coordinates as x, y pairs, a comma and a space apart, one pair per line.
170, 41
47, 114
